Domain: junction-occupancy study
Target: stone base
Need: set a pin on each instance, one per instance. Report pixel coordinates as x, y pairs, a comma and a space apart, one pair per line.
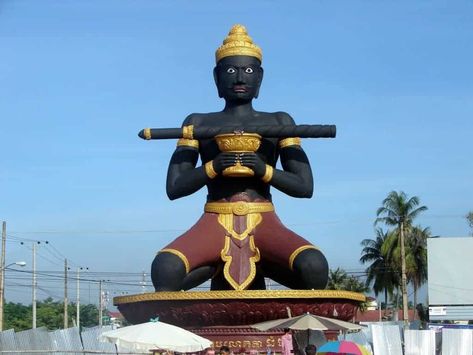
190, 309
243, 339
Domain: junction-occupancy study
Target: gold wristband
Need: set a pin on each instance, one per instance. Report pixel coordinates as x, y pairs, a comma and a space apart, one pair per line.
184, 142
268, 174
209, 170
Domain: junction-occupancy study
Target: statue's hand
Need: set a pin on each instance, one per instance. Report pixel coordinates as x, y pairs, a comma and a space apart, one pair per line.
223, 161
254, 162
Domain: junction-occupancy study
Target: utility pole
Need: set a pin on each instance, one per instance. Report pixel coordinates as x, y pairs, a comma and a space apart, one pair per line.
66, 320
78, 299
78, 296
2, 273
143, 283
34, 286
100, 303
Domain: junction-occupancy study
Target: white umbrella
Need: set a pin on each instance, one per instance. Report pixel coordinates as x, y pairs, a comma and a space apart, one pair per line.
156, 335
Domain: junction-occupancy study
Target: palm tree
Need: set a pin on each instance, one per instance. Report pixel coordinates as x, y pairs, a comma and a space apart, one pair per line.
416, 258
337, 279
353, 284
416, 255
399, 210
380, 271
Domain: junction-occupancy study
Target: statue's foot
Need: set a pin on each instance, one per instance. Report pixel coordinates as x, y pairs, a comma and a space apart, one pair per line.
168, 273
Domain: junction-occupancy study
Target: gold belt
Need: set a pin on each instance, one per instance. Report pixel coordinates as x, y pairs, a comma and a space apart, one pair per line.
240, 208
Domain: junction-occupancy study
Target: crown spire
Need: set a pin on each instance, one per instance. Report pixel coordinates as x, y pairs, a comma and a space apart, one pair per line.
238, 43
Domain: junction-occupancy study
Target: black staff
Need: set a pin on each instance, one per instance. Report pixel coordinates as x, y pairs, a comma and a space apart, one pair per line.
191, 132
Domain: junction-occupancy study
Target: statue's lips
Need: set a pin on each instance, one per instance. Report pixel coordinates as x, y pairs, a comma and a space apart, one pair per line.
239, 88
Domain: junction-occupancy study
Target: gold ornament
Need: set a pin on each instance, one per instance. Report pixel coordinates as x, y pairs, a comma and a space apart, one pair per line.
184, 142
147, 133
188, 132
238, 142
238, 43
238, 295
287, 142
179, 255
296, 252
268, 174
209, 170
240, 208
228, 261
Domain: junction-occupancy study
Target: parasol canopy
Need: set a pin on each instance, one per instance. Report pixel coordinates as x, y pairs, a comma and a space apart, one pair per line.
156, 335
308, 321
342, 347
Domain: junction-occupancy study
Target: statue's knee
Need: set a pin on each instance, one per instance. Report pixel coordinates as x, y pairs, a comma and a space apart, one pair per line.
167, 272
312, 267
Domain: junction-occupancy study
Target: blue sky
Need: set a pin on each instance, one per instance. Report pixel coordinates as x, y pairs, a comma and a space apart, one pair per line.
81, 78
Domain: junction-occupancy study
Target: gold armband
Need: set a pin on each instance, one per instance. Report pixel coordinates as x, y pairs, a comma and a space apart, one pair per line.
268, 175
209, 170
184, 142
286, 142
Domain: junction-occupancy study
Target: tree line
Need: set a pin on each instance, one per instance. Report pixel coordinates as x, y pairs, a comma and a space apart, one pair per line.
49, 314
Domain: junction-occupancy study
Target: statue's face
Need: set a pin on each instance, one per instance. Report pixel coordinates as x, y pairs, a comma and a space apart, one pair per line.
238, 78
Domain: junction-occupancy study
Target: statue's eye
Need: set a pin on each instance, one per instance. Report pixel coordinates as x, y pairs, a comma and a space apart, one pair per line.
231, 71
248, 70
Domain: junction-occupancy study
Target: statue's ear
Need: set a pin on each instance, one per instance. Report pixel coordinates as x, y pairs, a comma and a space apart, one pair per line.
260, 79
216, 81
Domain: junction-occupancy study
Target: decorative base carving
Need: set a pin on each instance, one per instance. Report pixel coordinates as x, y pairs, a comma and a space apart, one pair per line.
236, 308
243, 339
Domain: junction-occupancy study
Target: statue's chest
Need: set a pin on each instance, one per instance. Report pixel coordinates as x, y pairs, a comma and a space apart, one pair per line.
258, 119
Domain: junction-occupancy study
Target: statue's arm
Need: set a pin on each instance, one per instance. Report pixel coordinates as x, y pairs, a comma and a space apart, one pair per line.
296, 177
183, 177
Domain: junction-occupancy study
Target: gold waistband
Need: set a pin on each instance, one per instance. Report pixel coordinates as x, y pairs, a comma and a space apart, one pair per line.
240, 208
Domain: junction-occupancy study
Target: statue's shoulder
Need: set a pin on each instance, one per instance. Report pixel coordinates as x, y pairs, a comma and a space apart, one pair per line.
200, 119
280, 117
285, 118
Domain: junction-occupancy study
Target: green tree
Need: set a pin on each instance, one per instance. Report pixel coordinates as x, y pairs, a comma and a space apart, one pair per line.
381, 273
416, 255
49, 314
398, 210
354, 284
337, 279
416, 258
17, 316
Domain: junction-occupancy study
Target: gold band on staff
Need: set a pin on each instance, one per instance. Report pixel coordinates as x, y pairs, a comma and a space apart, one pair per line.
147, 133
188, 132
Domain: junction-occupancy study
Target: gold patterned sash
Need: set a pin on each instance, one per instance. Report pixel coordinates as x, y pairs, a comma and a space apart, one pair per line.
240, 254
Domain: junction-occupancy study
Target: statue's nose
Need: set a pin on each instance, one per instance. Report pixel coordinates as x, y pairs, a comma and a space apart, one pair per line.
240, 76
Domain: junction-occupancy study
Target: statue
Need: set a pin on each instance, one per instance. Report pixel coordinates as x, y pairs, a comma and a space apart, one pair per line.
239, 239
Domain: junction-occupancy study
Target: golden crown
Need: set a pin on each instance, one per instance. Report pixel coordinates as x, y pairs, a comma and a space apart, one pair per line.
238, 43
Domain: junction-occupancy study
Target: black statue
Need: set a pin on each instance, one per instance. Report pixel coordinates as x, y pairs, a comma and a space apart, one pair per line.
239, 240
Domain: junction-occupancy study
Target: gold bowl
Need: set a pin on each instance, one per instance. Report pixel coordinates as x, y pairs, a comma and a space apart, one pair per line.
238, 143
